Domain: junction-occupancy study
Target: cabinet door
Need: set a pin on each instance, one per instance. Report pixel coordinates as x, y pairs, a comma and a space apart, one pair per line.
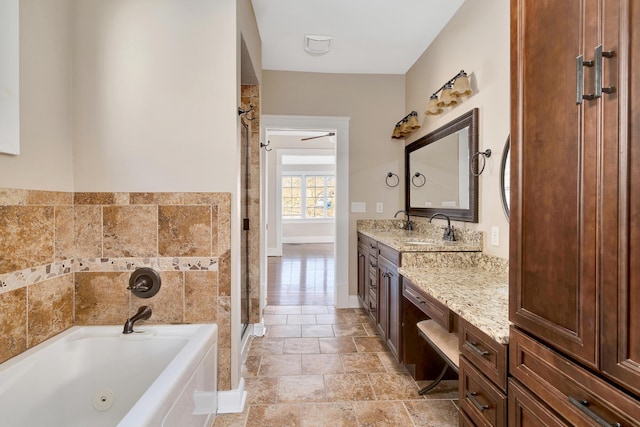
363, 272
554, 205
383, 296
394, 331
621, 216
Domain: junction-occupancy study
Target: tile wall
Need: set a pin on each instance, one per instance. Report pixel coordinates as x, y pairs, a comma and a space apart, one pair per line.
250, 95
66, 259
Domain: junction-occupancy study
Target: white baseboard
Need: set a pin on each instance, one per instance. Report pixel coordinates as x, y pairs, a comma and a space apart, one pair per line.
354, 301
274, 251
259, 330
232, 401
309, 239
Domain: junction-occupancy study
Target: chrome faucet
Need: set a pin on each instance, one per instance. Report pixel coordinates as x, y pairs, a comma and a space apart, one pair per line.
143, 313
448, 231
408, 225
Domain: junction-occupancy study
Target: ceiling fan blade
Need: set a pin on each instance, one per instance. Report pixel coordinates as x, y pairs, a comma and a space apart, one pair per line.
319, 136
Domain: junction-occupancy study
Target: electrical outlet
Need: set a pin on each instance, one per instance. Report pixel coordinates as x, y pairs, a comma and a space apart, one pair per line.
379, 207
495, 236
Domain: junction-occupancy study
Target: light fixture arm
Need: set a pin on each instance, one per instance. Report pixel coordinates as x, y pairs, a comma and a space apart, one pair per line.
451, 81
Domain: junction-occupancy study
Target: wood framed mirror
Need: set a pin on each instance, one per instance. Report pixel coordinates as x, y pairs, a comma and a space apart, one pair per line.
438, 177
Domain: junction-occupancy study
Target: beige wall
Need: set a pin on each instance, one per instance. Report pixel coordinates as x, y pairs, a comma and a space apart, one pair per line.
374, 103
45, 160
476, 40
155, 94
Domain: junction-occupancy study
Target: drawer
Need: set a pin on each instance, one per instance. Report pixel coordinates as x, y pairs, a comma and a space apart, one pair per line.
526, 410
391, 254
576, 394
428, 305
373, 247
486, 354
464, 420
480, 399
373, 304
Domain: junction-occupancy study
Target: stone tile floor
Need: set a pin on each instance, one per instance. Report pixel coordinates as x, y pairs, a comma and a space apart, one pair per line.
322, 366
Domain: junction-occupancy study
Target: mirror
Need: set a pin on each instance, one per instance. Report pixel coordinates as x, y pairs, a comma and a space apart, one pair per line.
438, 176
505, 176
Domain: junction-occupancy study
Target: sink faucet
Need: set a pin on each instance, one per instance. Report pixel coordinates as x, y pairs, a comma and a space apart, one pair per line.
408, 225
143, 313
448, 231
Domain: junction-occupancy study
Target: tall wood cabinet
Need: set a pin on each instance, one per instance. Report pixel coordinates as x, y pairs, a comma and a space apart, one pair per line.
575, 205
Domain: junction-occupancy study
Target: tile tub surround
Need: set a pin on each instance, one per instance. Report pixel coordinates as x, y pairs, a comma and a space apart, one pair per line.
65, 258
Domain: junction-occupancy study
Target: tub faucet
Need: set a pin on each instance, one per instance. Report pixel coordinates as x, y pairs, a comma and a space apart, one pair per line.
143, 313
448, 231
408, 225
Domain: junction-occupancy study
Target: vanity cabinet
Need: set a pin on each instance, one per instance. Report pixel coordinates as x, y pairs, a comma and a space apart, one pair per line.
389, 304
368, 275
574, 229
483, 377
363, 269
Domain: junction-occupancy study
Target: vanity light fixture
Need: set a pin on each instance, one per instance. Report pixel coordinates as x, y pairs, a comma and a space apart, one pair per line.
406, 125
450, 94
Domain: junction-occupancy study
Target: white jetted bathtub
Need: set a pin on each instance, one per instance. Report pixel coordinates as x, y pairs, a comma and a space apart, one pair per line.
160, 375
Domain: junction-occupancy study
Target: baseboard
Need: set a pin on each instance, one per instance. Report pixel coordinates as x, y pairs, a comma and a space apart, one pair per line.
354, 301
232, 401
259, 330
274, 252
309, 239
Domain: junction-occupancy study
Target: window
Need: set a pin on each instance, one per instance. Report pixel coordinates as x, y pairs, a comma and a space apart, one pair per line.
308, 196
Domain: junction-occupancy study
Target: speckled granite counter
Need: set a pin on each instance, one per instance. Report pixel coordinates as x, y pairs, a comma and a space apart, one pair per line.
479, 296
412, 241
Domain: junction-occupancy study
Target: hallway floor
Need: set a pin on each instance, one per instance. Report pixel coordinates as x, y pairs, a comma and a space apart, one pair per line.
322, 366
303, 275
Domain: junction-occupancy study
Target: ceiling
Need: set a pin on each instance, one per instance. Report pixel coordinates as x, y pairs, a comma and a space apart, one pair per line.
368, 36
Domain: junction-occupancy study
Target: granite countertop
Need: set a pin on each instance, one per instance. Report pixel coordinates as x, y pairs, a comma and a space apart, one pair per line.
479, 296
413, 241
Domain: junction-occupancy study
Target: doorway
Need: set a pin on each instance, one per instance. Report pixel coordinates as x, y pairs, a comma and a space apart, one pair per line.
339, 126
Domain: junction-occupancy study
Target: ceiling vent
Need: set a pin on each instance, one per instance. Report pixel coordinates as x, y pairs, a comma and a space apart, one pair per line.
316, 44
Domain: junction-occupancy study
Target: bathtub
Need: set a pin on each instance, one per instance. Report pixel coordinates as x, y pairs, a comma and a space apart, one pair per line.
161, 375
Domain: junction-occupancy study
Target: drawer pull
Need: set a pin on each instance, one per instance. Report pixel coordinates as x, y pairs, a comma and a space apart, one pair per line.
583, 405
471, 395
414, 296
473, 347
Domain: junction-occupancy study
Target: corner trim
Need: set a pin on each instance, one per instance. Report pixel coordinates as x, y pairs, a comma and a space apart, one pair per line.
232, 401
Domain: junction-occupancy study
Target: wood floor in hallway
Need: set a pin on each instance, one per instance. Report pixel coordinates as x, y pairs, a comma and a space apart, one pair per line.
303, 275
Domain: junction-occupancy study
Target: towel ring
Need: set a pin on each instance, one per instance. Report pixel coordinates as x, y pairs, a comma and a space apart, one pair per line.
391, 175
485, 155
418, 175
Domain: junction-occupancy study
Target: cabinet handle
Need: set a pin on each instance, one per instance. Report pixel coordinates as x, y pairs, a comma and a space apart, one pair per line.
583, 405
598, 58
471, 395
474, 347
580, 64
414, 296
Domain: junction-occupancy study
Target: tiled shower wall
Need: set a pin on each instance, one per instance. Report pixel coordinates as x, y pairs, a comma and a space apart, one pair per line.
250, 95
66, 258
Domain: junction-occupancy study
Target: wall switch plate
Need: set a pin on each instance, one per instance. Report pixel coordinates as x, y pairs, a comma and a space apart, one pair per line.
358, 206
379, 207
495, 236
